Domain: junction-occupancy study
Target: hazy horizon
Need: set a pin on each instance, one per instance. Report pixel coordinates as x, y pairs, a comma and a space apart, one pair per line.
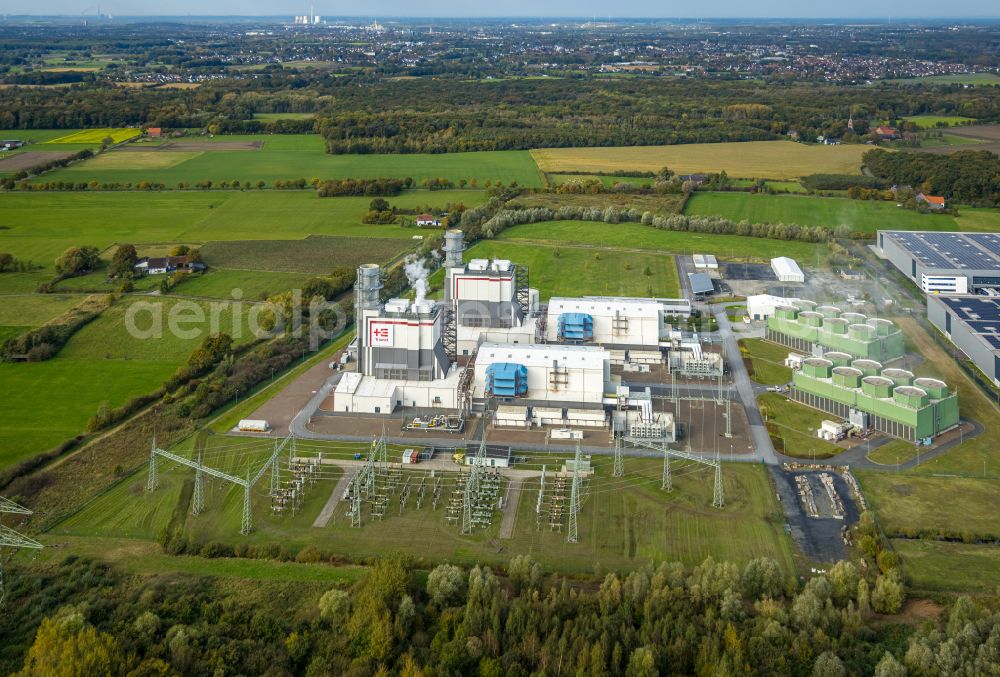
922, 10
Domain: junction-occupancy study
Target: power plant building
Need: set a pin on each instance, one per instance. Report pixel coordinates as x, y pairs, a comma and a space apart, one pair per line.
613, 322
888, 400
809, 328
489, 300
580, 375
944, 263
972, 323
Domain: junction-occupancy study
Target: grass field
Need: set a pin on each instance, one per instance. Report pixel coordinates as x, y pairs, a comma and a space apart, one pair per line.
932, 566
796, 426
292, 156
958, 504
618, 529
38, 136
311, 255
947, 139
933, 121
637, 237
38, 224
657, 204
569, 271
33, 310
97, 136
48, 402
768, 361
859, 215
895, 452
751, 159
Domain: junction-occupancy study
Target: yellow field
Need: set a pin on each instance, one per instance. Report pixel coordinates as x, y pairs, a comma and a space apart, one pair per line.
98, 135
750, 159
181, 85
151, 159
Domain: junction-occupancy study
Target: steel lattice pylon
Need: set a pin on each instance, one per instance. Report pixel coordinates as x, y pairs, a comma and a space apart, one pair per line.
12, 539
619, 468
572, 535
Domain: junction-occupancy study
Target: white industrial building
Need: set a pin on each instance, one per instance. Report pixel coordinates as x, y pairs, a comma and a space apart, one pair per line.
761, 306
489, 300
486, 343
539, 373
611, 321
787, 270
705, 262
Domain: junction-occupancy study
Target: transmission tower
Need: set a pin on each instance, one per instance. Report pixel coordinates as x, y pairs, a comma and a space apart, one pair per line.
198, 500
154, 481
471, 492
10, 538
668, 480
719, 499
247, 523
574, 500
619, 469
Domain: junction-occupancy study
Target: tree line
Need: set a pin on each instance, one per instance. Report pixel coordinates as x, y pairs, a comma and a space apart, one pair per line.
968, 176
80, 617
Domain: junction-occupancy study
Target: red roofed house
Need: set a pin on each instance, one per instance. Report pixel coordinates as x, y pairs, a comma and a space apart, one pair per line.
154, 132
887, 132
932, 201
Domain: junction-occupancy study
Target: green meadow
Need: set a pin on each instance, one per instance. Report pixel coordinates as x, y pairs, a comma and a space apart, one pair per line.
291, 156
40, 226
860, 215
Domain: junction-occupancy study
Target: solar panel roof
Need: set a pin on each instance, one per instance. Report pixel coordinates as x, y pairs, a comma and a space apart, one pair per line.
951, 251
981, 314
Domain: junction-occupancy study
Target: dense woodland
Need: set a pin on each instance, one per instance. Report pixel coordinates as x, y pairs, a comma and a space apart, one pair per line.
365, 114
80, 618
968, 176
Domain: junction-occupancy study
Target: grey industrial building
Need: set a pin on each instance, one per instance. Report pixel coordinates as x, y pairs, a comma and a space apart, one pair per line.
944, 263
972, 323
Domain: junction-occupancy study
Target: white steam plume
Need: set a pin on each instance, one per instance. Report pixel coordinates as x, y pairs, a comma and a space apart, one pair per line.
416, 274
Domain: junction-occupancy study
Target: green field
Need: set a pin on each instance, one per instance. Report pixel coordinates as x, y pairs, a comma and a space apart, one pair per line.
39, 230
767, 361
955, 504
38, 136
48, 402
293, 156
933, 121
947, 139
795, 425
859, 215
749, 159
311, 255
618, 529
638, 238
97, 136
932, 566
895, 452
569, 271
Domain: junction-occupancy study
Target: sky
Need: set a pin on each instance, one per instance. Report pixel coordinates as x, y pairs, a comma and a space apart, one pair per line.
548, 8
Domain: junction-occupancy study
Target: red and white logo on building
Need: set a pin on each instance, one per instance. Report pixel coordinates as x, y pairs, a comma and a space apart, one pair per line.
380, 334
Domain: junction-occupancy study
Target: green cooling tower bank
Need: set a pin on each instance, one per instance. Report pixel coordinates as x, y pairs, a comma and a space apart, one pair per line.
889, 400
802, 324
